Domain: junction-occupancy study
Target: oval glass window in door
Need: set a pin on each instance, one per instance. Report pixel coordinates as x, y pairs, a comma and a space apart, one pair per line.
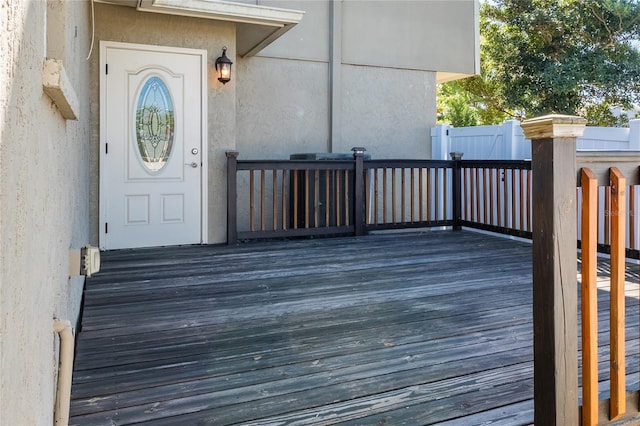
154, 124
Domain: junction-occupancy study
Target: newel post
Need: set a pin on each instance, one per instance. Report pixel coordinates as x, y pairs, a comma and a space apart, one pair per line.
457, 190
232, 197
555, 292
358, 199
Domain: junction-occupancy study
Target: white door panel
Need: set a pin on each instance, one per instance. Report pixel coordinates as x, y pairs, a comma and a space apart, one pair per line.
153, 143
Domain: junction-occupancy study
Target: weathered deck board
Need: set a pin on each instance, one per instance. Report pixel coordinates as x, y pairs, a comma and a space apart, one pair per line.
415, 328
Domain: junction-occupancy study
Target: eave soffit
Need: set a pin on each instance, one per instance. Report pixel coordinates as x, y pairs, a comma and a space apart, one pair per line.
256, 26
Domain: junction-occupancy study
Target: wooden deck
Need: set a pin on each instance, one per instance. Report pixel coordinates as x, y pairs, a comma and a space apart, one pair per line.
411, 328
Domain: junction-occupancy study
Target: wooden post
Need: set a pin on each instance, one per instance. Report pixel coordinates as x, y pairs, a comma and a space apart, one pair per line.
359, 189
232, 197
555, 293
457, 190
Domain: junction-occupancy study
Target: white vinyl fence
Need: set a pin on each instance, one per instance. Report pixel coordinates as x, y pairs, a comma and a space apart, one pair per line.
506, 141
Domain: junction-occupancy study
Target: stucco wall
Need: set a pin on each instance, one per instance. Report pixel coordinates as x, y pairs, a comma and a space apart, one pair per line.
165, 30
388, 111
282, 107
434, 35
44, 174
366, 59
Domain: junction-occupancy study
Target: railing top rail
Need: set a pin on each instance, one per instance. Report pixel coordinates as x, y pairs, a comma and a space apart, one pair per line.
381, 163
497, 164
296, 164
628, 162
397, 163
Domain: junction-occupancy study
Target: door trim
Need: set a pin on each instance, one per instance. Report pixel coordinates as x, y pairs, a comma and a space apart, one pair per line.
204, 171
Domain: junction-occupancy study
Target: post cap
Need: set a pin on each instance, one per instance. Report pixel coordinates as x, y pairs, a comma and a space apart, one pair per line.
358, 150
232, 154
456, 155
554, 126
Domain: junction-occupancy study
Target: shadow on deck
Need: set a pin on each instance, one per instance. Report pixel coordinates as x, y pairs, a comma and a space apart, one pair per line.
411, 328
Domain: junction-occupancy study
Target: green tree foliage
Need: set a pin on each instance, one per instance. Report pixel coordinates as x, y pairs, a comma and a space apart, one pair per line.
456, 106
576, 57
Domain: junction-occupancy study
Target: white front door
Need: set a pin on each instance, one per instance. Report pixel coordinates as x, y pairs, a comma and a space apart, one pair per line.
153, 159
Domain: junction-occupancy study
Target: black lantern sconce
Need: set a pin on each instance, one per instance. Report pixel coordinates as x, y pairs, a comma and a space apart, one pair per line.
223, 66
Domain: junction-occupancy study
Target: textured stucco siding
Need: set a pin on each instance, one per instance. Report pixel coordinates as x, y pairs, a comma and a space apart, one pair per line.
44, 175
388, 106
166, 30
388, 111
282, 107
434, 35
309, 39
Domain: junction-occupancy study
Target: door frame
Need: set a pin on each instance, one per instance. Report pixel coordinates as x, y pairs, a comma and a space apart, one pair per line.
204, 170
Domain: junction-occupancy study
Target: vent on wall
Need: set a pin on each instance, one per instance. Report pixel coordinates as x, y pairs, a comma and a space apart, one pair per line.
85, 261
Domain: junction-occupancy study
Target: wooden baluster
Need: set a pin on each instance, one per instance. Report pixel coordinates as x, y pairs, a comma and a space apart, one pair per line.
445, 192
514, 224
521, 200
492, 196
429, 194
284, 199
251, 201
589, 306
403, 173
306, 199
421, 194
347, 203
505, 201
478, 192
529, 205
274, 198
466, 194
327, 198
607, 215
316, 198
375, 196
617, 319
413, 219
336, 177
437, 194
631, 214
486, 195
367, 196
295, 199
262, 199
384, 195
472, 195
393, 196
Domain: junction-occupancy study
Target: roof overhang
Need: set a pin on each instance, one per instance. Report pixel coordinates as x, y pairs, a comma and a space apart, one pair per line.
443, 77
256, 26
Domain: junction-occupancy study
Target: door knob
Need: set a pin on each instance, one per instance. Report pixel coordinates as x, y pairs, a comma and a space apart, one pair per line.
192, 164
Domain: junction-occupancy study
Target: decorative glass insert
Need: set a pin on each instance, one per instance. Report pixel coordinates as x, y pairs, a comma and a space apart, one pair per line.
154, 124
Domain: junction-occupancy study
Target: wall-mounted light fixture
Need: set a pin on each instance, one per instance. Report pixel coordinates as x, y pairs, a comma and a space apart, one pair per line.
223, 66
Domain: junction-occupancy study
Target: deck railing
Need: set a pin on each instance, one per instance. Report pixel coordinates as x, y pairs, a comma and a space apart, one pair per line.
408, 193
293, 198
289, 198
603, 210
607, 208
496, 196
